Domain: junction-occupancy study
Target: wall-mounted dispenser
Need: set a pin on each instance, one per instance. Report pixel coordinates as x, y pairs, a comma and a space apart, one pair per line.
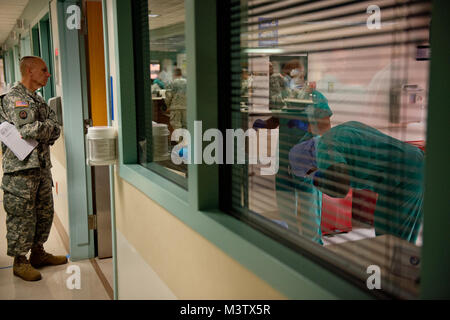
102, 146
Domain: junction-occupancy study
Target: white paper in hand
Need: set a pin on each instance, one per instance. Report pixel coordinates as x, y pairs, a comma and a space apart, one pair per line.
13, 140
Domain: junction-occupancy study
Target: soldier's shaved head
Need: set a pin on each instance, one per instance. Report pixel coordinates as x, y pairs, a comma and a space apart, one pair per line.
34, 72
28, 62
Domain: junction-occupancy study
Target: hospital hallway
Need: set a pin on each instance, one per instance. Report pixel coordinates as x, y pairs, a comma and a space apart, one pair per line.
206, 151
95, 274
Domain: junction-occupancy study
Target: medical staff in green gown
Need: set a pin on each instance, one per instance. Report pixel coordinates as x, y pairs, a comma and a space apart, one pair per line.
354, 155
293, 128
308, 199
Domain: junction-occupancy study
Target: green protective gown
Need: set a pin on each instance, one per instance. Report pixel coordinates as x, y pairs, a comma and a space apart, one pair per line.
297, 195
286, 194
309, 204
389, 167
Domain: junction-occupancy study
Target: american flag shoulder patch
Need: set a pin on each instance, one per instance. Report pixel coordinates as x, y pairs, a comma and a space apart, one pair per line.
21, 104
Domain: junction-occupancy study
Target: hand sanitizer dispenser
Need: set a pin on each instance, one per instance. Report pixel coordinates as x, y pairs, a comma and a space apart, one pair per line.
102, 146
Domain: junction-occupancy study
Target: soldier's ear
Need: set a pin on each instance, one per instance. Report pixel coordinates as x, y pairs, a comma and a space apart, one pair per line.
27, 71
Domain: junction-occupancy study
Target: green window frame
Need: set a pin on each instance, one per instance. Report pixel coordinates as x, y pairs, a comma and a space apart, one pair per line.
10, 67
143, 56
130, 168
35, 40
46, 50
295, 275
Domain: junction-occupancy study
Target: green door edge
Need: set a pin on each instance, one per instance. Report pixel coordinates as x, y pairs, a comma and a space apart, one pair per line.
74, 88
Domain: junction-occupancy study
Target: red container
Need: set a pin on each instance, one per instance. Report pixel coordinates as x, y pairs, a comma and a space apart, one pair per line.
336, 214
418, 143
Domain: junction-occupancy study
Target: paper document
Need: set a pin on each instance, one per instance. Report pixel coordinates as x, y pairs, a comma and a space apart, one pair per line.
13, 140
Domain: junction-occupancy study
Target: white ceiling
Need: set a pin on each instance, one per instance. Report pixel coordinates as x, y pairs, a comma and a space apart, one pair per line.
171, 12
10, 11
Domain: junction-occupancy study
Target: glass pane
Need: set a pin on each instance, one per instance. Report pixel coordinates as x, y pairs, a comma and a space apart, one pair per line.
168, 77
341, 108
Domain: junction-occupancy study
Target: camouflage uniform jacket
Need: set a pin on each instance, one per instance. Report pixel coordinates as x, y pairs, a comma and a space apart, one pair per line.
33, 119
176, 96
277, 90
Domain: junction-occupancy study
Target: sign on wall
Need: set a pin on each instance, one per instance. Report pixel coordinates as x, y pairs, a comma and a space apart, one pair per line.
268, 32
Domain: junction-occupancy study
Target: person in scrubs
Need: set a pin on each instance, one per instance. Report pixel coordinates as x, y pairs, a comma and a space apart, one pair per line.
297, 199
355, 155
308, 198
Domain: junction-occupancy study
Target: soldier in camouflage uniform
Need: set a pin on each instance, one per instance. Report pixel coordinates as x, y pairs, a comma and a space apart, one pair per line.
176, 101
27, 184
277, 89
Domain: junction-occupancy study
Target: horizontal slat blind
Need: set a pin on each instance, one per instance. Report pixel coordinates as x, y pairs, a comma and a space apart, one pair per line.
371, 85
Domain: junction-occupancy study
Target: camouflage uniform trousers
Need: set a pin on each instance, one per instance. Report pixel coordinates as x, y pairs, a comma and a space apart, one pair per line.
178, 118
28, 202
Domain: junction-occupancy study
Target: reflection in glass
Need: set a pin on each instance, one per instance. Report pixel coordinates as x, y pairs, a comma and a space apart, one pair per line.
349, 107
168, 77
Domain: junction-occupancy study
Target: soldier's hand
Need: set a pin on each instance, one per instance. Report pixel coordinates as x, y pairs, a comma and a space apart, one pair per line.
52, 142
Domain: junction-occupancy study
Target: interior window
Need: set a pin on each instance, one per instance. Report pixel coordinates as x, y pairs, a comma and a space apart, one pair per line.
167, 70
334, 100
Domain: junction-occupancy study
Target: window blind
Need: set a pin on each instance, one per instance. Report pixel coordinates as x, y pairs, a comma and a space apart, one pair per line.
338, 91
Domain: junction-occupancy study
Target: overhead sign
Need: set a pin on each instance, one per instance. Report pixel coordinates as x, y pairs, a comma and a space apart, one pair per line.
268, 32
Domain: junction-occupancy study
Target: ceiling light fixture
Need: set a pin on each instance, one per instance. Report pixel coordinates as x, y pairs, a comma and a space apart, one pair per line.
153, 15
264, 50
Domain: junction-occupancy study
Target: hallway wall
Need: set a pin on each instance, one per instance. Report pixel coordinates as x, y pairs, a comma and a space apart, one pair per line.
59, 173
58, 151
141, 281
189, 265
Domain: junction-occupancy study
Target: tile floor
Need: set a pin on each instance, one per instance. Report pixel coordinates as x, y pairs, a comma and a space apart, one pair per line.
53, 284
107, 269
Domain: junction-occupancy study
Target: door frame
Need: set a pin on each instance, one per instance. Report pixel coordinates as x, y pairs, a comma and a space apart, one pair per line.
74, 94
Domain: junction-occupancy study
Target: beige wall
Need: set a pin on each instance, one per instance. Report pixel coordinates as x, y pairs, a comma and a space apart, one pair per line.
361, 84
185, 263
2, 77
140, 282
58, 151
59, 174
